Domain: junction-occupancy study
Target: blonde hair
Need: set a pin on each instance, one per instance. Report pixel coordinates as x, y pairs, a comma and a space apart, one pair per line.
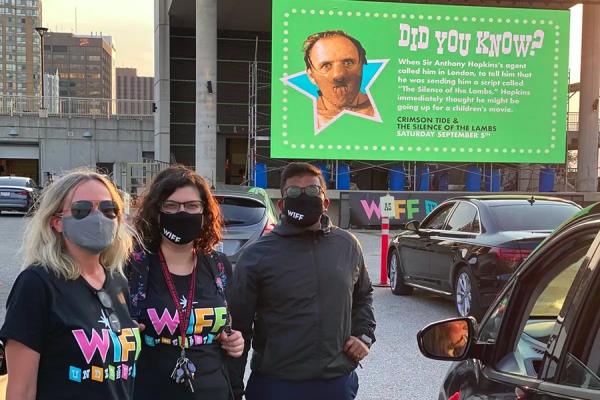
44, 246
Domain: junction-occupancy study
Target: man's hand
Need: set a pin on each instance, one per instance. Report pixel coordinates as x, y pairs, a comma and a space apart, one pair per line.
356, 349
233, 344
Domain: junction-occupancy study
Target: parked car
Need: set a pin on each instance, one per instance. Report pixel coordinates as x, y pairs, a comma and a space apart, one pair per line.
540, 339
248, 213
17, 193
468, 247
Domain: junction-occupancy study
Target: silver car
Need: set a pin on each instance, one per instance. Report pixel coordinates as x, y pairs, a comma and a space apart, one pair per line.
248, 213
17, 193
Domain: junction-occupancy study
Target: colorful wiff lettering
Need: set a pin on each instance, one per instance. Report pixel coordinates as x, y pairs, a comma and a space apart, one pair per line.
190, 329
220, 318
201, 321
167, 320
89, 347
412, 210
117, 345
127, 345
138, 342
370, 209
399, 208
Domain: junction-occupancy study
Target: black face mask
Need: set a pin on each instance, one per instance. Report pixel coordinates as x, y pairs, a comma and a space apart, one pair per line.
182, 227
303, 211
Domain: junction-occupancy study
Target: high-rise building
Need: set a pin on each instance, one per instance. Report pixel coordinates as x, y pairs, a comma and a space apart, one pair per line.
20, 47
130, 86
85, 64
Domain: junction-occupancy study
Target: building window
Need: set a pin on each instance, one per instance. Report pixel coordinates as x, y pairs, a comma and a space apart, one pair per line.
21, 40
21, 59
92, 67
93, 58
93, 76
59, 49
11, 67
21, 77
21, 49
77, 58
47, 47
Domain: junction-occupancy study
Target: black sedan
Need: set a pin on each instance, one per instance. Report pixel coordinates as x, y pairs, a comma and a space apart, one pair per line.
468, 247
540, 339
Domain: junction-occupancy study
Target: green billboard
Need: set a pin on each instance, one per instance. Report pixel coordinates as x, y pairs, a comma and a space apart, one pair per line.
389, 81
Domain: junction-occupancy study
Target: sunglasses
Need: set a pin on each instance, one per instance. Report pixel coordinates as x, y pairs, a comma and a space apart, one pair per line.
83, 208
293, 192
113, 319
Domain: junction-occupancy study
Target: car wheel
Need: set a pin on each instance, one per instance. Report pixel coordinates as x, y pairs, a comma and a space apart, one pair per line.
466, 296
399, 288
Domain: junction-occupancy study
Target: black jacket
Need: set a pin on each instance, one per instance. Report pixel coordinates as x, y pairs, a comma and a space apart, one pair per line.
306, 293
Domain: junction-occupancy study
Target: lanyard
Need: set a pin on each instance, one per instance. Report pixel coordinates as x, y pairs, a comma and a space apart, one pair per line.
184, 315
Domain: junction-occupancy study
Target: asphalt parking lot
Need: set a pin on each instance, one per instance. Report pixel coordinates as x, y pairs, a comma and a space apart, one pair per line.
394, 370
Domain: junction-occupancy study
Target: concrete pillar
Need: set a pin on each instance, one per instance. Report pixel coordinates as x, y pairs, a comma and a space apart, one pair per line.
162, 85
587, 159
206, 103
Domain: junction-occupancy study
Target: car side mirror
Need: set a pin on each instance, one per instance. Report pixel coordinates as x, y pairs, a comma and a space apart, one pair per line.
447, 340
413, 226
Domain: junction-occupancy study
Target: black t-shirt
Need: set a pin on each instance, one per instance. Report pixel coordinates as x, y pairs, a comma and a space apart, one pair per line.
162, 336
64, 321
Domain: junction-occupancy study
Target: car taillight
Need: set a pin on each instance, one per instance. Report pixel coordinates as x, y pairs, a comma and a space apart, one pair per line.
268, 228
23, 193
514, 255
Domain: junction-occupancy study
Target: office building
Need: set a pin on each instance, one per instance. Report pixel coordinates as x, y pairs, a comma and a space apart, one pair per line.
130, 86
20, 47
85, 64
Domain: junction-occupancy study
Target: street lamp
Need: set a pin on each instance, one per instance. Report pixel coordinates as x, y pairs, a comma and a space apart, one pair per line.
42, 31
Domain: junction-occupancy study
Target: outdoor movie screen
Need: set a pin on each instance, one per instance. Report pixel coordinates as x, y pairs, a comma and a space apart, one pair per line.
389, 81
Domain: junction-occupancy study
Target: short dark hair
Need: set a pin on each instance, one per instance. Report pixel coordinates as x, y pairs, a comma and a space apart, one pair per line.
164, 185
295, 169
310, 42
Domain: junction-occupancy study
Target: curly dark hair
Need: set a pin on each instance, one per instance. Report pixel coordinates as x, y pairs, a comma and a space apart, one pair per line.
164, 184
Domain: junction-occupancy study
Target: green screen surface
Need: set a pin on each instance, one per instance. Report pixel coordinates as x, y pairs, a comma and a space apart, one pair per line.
438, 83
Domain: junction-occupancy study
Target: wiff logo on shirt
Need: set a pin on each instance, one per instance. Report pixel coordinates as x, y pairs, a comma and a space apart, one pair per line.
121, 362
204, 325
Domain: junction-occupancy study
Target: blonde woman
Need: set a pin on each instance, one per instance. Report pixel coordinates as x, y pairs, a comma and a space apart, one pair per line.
68, 334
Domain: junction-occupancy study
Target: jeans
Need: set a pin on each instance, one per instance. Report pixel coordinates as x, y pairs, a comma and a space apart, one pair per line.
263, 388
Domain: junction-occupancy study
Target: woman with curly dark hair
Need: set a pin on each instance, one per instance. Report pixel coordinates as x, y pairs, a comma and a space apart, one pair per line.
178, 292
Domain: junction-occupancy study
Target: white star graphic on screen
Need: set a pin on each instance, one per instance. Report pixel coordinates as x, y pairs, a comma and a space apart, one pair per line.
183, 302
104, 320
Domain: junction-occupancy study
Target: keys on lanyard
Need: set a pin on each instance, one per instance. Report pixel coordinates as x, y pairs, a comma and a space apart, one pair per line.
184, 371
184, 368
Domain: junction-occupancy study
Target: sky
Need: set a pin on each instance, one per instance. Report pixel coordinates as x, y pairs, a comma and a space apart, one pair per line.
131, 24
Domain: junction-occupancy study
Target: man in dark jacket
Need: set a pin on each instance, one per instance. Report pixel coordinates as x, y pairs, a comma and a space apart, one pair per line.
303, 295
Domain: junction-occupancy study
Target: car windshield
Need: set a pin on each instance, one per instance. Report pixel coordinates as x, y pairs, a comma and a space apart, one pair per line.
239, 211
8, 181
536, 217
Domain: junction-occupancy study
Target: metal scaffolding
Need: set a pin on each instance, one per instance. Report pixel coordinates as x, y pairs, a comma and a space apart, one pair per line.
254, 139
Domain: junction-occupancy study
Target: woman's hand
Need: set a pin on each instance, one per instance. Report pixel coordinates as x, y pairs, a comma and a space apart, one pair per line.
233, 344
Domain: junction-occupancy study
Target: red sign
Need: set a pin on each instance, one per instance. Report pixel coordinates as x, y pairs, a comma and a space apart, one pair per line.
84, 42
